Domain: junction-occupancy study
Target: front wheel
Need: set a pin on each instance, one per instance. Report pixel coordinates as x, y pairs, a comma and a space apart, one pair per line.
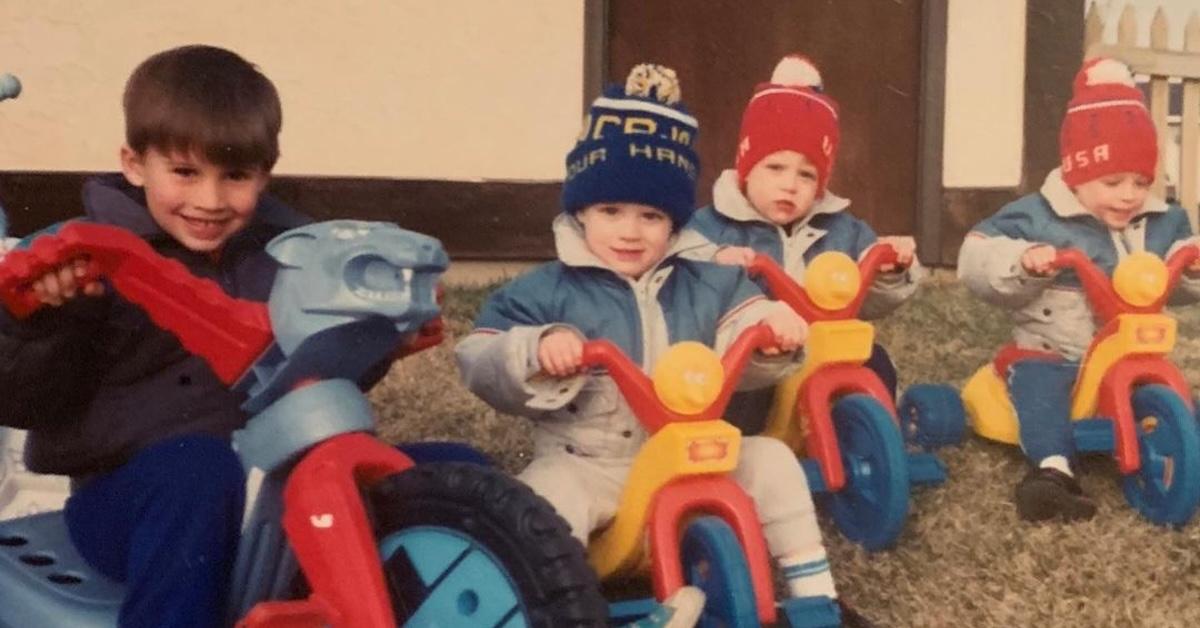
1166, 487
871, 508
714, 562
464, 545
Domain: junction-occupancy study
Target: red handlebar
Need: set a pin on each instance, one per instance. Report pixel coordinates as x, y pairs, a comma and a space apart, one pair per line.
639, 390
784, 288
1099, 289
229, 333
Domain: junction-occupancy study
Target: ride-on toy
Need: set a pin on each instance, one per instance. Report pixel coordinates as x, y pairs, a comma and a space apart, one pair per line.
680, 514
378, 541
838, 414
1129, 399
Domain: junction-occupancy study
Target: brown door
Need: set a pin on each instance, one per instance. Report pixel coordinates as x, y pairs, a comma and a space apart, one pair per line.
868, 52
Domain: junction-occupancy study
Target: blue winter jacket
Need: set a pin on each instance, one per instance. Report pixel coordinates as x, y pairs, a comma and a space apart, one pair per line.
732, 221
679, 299
95, 380
1051, 313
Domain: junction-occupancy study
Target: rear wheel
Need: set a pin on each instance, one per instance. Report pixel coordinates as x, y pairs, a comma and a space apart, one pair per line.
464, 545
932, 416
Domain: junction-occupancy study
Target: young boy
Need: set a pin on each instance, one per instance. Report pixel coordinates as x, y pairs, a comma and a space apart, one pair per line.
776, 201
140, 425
1098, 201
630, 185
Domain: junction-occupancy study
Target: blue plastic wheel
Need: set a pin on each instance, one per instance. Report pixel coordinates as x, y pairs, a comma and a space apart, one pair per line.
932, 416
462, 582
871, 508
713, 560
1166, 489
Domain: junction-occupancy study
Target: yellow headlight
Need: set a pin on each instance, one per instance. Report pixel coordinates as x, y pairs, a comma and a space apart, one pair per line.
688, 378
832, 280
1141, 278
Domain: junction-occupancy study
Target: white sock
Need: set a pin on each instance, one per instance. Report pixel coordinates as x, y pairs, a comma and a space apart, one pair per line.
807, 574
1057, 462
681, 610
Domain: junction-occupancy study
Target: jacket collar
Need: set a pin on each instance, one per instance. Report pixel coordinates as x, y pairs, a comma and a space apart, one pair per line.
1064, 202
729, 201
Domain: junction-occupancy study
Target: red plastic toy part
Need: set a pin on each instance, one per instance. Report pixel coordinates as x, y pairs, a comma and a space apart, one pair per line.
721, 496
228, 333
639, 391
817, 396
1099, 289
784, 288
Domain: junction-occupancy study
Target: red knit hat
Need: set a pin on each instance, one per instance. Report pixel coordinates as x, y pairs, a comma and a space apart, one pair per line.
1107, 128
790, 113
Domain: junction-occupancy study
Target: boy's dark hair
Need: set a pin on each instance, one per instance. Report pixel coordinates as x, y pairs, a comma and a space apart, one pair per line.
204, 99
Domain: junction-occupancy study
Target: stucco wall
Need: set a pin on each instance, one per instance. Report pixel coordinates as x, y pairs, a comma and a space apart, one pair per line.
454, 89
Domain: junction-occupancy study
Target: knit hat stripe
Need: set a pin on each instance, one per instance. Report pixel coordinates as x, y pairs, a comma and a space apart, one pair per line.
649, 107
1109, 103
796, 92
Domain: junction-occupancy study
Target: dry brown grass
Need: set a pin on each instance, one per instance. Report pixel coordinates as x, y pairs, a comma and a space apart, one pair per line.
964, 559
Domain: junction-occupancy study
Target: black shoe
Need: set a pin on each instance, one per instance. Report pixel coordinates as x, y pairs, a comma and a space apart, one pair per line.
851, 618
1048, 493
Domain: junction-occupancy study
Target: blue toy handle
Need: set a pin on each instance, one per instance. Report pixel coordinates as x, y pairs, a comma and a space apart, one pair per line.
10, 87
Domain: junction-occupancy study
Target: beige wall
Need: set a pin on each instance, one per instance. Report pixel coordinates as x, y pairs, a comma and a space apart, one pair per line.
985, 94
443, 89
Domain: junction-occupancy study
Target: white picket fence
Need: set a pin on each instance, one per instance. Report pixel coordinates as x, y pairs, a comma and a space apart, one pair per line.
1167, 71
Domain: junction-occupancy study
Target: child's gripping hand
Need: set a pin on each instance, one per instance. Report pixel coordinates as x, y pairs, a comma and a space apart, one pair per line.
65, 283
735, 256
560, 352
1039, 260
790, 330
906, 251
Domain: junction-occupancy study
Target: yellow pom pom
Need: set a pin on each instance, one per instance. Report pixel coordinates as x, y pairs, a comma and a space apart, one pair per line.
653, 81
688, 378
832, 280
1140, 279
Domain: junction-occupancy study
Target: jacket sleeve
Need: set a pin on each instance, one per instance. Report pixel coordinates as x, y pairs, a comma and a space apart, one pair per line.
44, 365
989, 262
498, 360
888, 290
1188, 290
748, 307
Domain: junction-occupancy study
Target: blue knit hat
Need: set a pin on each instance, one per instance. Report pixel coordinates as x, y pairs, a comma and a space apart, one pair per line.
637, 146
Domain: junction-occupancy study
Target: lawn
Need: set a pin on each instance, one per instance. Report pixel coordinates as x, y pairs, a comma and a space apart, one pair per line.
964, 559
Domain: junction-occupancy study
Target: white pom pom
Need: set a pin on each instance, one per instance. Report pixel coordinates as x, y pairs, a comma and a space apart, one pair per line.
657, 82
796, 71
1109, 71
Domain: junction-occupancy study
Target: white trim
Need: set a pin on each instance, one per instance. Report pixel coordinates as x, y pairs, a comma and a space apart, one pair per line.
796, 92
1107, 103
641, 105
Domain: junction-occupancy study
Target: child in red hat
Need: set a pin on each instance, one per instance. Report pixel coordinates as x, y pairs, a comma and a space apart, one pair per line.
1098, 201
776, 201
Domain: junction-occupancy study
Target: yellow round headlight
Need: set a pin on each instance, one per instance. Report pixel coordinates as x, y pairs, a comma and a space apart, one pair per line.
688, 378
1141, 278
832, 280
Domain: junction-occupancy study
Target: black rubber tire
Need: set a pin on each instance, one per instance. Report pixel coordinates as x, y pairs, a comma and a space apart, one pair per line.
533, 543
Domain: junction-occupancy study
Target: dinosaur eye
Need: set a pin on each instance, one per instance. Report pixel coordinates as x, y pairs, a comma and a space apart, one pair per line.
376, 276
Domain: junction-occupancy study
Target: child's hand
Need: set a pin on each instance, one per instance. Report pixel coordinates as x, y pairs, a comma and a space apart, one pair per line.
790, 330
906, 250
560, 353
1038, 260
63, 284
735, 256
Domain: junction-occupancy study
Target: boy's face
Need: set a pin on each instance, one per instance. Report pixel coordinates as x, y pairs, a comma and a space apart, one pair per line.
198, 203
782, 186
629, 237
1114, 199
